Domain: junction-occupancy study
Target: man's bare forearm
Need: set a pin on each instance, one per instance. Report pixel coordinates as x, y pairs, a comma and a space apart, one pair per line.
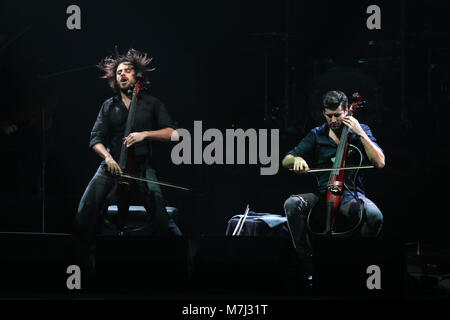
160, 135
111, 164
100, 149
375, 155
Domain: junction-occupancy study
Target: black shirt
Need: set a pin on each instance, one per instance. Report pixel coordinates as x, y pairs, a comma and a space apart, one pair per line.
318, 150
109, 128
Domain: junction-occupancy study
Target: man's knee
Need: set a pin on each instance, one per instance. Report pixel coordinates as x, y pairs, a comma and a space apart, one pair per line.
374, 217
294, 205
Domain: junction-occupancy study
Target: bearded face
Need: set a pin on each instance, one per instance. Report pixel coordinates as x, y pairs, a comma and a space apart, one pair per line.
125, 75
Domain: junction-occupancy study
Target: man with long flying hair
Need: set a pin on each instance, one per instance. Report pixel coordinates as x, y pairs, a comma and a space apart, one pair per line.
151, 122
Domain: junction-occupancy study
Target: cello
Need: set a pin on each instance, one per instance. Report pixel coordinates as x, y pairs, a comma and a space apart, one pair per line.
127, 159
336, 180
128, 165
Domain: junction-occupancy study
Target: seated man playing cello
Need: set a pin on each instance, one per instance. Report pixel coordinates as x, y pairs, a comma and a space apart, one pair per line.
319, 148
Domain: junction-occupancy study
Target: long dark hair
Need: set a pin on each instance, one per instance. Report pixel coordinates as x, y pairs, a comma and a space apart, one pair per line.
109, 65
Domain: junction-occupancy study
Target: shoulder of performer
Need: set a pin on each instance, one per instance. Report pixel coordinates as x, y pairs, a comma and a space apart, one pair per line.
322, 129
369, 133
366, 128
363, 125
108, 102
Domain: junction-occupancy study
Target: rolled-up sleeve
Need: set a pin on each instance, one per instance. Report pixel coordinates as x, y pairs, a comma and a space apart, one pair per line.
367, 130
162, 116
100, 131
305, 147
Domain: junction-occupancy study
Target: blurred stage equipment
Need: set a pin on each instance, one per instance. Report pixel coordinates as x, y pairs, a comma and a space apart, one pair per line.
274, 113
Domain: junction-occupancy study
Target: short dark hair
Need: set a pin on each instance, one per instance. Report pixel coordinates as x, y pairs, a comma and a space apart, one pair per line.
333, 99
109, 65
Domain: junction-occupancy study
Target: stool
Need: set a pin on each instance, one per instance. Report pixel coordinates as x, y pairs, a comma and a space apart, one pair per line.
138, 219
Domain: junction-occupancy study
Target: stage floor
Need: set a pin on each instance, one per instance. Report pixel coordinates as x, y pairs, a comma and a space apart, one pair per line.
41, 266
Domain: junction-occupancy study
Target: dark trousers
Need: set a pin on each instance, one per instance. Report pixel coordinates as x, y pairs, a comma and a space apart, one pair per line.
93, 202
297, 208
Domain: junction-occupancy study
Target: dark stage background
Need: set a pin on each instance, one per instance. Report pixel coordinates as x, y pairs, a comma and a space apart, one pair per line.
230, 64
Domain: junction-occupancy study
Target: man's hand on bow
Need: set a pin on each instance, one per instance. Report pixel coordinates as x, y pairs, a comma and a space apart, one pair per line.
113, 166
300, 166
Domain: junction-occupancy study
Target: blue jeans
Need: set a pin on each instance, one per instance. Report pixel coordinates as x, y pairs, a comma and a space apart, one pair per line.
93, 202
